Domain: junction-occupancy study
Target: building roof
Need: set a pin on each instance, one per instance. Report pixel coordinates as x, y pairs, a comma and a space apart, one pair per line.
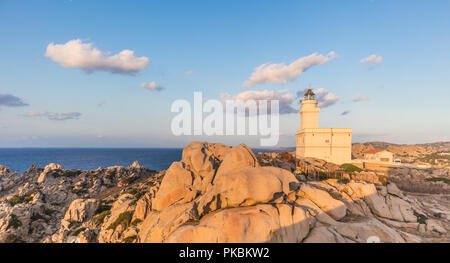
309, 92
373, 151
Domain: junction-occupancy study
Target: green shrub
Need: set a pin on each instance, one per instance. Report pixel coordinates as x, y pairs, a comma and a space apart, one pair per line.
123, 219
422, 219
137, 193
18, 199
438, 179
14, 222
100, 218
350, 168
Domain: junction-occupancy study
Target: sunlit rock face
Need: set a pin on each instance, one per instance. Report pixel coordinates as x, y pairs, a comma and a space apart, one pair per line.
215, 193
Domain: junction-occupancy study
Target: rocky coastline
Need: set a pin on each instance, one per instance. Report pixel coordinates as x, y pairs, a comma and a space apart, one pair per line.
217, 193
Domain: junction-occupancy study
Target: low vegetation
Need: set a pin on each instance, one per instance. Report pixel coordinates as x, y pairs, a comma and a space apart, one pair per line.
18, 199
422, 219
65, 173
350, 168
100, 218
438, 179
36, 216
76, 232
14, 222
123, 219
136, 192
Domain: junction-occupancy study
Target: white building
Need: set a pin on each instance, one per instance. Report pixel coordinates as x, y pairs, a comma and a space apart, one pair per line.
330, 144
376, 155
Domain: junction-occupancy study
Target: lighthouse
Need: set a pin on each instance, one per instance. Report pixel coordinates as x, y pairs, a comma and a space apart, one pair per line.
329, 144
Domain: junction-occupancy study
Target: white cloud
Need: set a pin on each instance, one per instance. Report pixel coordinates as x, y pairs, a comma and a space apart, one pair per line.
189, 72
36, 114
361, 98
151, 86
285, 99
372, 60
281, 73
323, 97
76, 54
55, 116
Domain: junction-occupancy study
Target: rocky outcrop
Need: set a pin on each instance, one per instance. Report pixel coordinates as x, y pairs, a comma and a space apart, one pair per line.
215, 193
46, 205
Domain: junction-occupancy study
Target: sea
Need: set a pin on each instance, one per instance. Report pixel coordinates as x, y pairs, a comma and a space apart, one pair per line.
20, 159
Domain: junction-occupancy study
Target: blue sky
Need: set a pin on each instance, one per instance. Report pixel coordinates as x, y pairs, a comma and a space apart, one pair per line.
405, 93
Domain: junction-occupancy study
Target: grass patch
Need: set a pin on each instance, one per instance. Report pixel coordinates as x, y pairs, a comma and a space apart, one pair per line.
18, 199
100, 218
123, 219
14, 222
350, 168
438, 179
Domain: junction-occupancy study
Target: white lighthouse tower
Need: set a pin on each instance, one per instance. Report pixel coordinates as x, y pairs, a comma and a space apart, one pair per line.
309, 112
330, 144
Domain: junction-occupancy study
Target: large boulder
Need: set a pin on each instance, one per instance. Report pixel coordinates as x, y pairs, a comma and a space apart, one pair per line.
248, 187
400, 209
237, 159
335, 208
81, 209
47, 169
158, 225
201, 159
365, 229
260, 223
176, 187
